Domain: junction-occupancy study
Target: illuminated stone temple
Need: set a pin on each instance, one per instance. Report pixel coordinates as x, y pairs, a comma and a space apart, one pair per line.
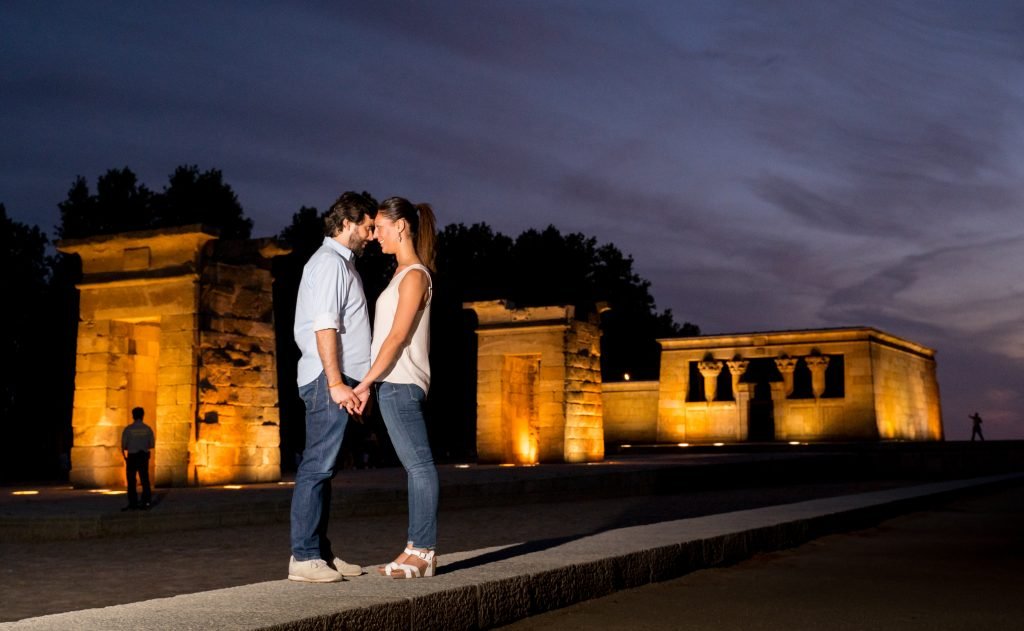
851, 384
538, 385
179, 323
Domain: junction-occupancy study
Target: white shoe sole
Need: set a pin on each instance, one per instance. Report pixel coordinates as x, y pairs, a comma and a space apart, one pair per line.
303, 579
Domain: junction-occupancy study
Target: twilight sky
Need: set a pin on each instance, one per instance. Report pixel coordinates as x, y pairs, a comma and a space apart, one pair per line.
768, 165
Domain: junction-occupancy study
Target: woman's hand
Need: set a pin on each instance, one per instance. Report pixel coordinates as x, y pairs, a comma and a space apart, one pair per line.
362, 394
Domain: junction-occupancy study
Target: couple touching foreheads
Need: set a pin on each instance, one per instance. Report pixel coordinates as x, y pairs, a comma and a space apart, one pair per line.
342, 364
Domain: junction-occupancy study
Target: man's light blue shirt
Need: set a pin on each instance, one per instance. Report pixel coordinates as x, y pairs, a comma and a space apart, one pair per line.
331, 297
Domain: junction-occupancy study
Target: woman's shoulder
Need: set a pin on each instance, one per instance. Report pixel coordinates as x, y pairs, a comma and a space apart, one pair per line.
415, 275
424, 272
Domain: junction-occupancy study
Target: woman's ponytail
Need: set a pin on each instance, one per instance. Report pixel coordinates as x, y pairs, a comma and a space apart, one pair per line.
426, 235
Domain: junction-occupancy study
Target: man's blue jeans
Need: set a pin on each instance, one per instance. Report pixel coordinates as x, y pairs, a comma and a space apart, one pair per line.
401, 405
311, 499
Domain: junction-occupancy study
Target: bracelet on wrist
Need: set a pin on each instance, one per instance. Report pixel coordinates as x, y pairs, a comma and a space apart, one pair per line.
336, 383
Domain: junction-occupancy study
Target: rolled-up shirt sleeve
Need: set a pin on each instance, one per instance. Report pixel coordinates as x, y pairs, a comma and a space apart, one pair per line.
327, 299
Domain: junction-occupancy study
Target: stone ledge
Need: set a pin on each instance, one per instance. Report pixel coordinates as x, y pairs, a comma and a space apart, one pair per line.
494, 586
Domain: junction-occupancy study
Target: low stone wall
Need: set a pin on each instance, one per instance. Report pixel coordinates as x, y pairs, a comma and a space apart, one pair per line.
630, 411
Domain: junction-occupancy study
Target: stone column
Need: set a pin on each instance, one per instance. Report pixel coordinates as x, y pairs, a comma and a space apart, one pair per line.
786, 366
736, 369
710, 370
817, 364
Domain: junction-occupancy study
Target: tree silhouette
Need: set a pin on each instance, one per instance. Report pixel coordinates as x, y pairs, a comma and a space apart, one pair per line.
121, 204
31, 416
194, 197
546, 268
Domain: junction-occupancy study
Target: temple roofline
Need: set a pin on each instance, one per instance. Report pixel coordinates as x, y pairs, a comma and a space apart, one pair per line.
802, 336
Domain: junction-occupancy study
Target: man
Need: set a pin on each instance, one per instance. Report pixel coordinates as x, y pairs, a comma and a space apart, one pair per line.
136, 441
332, 330
976, 426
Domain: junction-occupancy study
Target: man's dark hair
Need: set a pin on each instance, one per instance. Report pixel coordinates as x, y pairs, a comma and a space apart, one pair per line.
352, 206
138, 413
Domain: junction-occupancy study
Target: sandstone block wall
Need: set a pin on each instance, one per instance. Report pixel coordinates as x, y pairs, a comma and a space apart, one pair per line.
237, 430
584, 426
906, 395
630, 411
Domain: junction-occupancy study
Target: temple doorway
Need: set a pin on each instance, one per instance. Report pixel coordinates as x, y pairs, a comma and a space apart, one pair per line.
140, 344
761, 410
519, 408
762, 417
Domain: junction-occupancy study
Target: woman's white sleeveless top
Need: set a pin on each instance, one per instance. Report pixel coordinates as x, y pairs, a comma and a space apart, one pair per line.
413, 365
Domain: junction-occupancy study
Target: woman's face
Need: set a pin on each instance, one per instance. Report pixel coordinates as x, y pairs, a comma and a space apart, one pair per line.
386, 233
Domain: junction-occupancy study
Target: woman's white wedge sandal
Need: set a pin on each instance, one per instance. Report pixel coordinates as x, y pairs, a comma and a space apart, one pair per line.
385, 570
415, 569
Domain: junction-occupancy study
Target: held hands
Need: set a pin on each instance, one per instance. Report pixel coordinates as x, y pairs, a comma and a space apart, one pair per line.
362, 393
344, 397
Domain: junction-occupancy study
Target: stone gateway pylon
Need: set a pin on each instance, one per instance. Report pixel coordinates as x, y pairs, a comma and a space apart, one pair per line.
181, 324
538, 385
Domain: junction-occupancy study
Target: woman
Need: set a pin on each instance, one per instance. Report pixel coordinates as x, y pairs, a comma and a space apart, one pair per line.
401, 370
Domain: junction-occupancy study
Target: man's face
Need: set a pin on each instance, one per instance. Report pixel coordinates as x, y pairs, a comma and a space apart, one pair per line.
359, 234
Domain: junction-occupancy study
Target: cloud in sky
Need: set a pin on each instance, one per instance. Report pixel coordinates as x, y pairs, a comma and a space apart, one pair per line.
803, 165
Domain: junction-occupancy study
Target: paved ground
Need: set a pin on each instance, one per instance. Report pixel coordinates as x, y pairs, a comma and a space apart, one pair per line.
960, 566
51, 577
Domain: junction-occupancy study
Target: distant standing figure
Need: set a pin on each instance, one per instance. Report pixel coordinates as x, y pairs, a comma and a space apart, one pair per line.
136, 441
976, 427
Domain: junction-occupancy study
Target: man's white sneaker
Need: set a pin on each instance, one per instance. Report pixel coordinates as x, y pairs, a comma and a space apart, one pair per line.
312, 571
347, 569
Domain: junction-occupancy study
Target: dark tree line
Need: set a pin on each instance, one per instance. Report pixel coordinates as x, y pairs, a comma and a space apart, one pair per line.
538, 267
121, 203
38, 380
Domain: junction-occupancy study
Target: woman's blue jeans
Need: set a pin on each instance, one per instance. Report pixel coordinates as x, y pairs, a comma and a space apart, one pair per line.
401, 405
311, 499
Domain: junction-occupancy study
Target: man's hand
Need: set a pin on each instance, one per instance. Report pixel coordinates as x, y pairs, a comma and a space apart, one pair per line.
344, 397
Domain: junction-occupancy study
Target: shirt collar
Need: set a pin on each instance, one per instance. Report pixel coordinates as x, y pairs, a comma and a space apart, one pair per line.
339, 248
